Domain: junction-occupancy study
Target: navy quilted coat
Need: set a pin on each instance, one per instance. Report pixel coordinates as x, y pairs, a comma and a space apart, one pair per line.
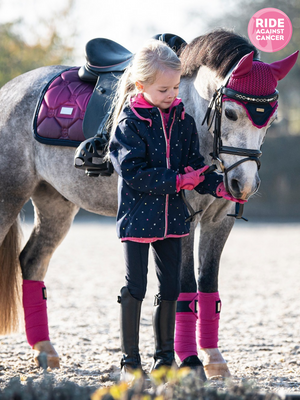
147, 155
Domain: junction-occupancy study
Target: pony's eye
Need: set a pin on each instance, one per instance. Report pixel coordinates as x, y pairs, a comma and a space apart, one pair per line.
231, 114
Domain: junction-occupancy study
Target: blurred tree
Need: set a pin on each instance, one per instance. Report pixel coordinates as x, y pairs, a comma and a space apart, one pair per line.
237, 17
17, 56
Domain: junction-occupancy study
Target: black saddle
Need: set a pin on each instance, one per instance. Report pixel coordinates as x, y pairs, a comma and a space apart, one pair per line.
104, 55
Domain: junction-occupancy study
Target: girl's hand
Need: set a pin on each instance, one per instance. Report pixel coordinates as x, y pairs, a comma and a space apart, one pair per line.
221, 192
191, 178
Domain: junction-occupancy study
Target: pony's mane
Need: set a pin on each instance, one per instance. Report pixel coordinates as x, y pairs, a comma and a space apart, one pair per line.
219, 50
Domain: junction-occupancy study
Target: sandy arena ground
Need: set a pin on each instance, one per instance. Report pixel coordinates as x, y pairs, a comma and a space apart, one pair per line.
260, 320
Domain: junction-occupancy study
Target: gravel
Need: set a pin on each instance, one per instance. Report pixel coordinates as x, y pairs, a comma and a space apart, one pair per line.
260, 321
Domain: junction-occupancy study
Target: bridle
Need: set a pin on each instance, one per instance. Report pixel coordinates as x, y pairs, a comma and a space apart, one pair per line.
218, 148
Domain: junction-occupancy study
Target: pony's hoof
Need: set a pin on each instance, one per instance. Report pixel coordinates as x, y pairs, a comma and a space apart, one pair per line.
45, 355
216, 371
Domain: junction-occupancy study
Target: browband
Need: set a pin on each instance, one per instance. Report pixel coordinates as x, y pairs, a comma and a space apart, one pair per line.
250, 98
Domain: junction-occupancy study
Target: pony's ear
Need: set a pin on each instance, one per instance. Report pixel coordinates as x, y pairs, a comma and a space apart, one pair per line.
244, 66
281, 68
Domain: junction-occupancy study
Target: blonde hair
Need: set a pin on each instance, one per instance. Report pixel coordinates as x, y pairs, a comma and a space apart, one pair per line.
155, 56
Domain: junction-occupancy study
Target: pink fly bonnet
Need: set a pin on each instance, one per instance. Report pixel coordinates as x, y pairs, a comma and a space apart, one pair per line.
255, 78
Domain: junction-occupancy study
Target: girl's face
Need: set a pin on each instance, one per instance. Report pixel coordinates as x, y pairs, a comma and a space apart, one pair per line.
163, 91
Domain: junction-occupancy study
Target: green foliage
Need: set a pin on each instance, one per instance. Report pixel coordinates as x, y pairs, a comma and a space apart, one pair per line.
17, 56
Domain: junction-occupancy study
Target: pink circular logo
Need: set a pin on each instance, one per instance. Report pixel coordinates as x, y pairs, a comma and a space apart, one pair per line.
270, 30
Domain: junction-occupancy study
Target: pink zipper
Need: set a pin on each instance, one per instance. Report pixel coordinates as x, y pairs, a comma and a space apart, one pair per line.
168, 165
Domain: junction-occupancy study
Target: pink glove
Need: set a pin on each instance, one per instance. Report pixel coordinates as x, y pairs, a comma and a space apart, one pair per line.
221, 192
191, 178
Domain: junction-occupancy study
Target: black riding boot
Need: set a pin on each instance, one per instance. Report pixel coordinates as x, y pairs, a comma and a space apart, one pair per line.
164, 326
129, 333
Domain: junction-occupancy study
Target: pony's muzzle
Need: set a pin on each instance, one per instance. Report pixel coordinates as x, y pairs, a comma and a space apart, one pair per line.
241, 187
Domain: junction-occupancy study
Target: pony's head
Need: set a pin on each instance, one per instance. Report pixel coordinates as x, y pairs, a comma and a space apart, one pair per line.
226, 65
250, 106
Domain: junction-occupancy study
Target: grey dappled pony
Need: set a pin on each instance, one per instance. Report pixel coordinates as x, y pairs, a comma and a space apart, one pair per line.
46, 175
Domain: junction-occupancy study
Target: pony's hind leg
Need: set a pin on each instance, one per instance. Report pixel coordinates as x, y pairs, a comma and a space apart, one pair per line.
53, 218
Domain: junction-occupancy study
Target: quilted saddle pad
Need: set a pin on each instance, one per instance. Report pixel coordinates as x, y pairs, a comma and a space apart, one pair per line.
61, 108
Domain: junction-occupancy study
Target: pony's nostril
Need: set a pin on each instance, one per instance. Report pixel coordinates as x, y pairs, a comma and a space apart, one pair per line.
235, 187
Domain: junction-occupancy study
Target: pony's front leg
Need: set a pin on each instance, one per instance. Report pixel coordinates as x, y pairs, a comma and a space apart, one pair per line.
213, 236
53, 218
186, 314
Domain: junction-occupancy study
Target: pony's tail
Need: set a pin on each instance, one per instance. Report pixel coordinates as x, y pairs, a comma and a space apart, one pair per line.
10, 280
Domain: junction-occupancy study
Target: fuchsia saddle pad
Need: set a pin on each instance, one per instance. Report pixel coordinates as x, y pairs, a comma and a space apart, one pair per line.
60, 111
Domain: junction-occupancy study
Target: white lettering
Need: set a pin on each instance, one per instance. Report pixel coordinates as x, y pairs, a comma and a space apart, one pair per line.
259, 22
264, 31
269, 23
269, 37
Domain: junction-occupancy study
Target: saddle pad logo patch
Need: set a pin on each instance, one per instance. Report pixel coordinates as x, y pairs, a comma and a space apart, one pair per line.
66, 111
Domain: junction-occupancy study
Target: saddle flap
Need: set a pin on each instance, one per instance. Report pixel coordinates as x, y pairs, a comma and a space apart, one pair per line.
99, 107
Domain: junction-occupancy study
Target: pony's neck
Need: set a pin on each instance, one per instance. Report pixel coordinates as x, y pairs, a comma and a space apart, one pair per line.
196, 93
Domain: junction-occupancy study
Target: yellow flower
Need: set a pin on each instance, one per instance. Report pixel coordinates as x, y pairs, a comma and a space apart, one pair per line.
117, 391
99, 393
159, 374
183, 372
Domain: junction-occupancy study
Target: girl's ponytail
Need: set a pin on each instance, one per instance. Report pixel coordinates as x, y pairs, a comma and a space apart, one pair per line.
125, 90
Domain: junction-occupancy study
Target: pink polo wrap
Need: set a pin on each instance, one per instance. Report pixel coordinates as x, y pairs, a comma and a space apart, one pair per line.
185, 328
208, 319
35, 311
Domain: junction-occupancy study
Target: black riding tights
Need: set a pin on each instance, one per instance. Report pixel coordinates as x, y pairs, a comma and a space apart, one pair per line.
167, 260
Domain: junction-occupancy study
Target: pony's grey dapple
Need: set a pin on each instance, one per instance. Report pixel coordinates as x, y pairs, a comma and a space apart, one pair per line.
45, 173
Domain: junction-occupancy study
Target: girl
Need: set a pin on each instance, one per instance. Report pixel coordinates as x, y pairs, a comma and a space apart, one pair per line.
154, 149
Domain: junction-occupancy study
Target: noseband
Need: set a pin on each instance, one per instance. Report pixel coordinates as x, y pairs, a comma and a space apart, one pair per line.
218, 148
